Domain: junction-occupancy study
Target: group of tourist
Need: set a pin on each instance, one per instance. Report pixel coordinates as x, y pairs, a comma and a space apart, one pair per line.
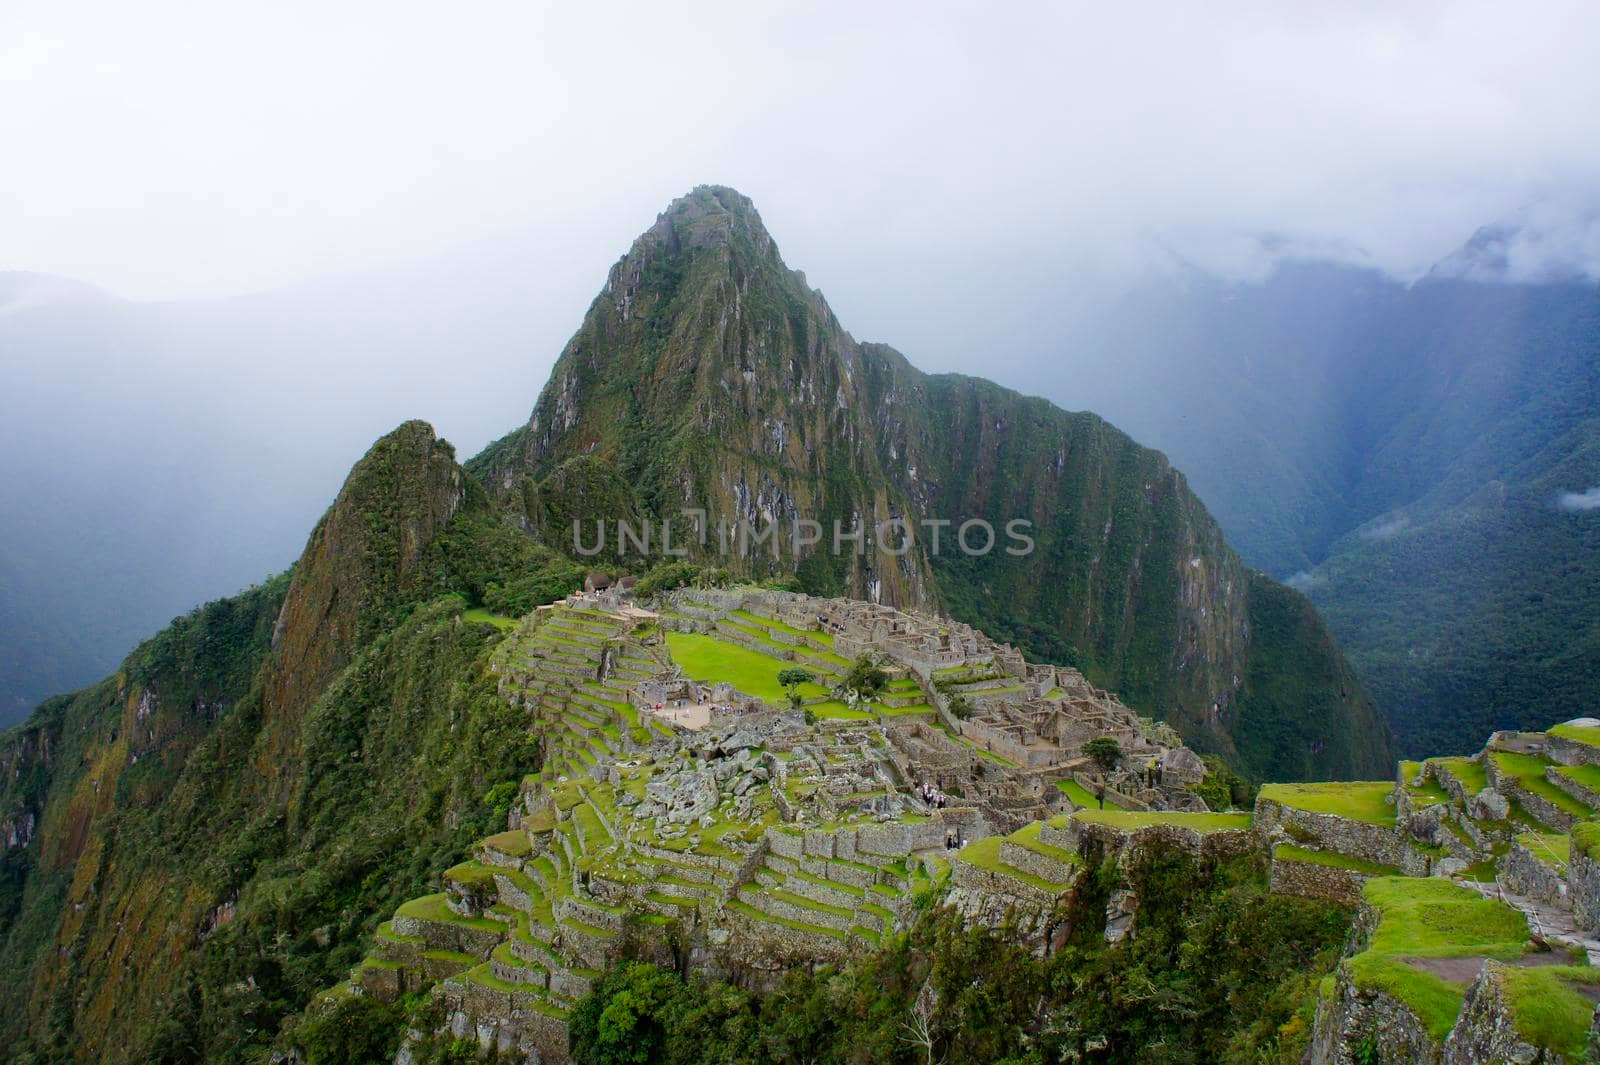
931, 795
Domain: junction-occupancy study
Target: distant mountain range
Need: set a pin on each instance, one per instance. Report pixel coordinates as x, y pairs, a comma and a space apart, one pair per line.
1420, 459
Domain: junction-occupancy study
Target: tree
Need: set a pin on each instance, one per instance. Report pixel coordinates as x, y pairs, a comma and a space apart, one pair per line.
791, 679
866, 676
1106, 752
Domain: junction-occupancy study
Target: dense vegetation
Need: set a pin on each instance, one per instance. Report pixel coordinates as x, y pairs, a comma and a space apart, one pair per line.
1219, 971
210, 853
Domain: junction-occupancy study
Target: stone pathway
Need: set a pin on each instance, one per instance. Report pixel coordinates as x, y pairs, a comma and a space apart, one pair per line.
1545, 920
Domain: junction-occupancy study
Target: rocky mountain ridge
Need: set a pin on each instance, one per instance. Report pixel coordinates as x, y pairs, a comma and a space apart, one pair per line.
708, 376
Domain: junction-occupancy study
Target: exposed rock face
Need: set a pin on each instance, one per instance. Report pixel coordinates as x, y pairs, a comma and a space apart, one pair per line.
707, 375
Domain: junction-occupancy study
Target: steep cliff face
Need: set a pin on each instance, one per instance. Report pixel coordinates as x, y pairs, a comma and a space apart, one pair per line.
191, 848
709, 376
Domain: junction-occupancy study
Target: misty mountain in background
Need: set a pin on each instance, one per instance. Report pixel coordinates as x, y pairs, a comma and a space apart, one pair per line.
1414, 457
159, 455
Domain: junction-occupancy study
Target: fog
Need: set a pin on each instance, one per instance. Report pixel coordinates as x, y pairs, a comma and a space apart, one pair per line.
285, 228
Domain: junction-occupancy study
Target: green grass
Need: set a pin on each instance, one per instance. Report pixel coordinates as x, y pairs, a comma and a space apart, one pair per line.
833, 710
1551, 849
1578, 734
514, 843
481, 616
774, 623
708, 659
1286, 853
1586, 775
1428, 917
1470, 773
1028, 836
985, 854
434, 908
904, 711
1130, 820
1429, 793
1528, 772
1547, 1011
1356, 800
1586, 840
473, 874
1082, 796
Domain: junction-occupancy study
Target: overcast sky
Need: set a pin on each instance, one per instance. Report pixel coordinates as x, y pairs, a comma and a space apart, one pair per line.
165, 149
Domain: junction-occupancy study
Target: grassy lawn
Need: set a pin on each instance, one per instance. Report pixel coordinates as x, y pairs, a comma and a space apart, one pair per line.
1082, 795
1286, 853
1427, 917
1578, 734
481, 616
1357, 800
1471, 775
1129, 820
708, 659
1528, 772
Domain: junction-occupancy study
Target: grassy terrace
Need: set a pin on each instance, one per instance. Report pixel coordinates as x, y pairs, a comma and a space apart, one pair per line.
1028, 836
708, 659
1586, 775
746, 910
824, 638
1130, 820
1428, 917
1528, 772
435, 908
1578, 734
1082, 796
1548, 1009
1286, 853
1550, 848
1471, 775
1364, 800
985, 855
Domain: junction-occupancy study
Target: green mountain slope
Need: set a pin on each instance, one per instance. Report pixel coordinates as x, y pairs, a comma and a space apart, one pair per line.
708, 375
195, 846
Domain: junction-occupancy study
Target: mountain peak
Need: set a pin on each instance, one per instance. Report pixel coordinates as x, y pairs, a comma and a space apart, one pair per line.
709, 216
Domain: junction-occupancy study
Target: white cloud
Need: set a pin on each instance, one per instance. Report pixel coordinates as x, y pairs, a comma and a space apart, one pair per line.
171, 147
1385, 528
1579, 502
